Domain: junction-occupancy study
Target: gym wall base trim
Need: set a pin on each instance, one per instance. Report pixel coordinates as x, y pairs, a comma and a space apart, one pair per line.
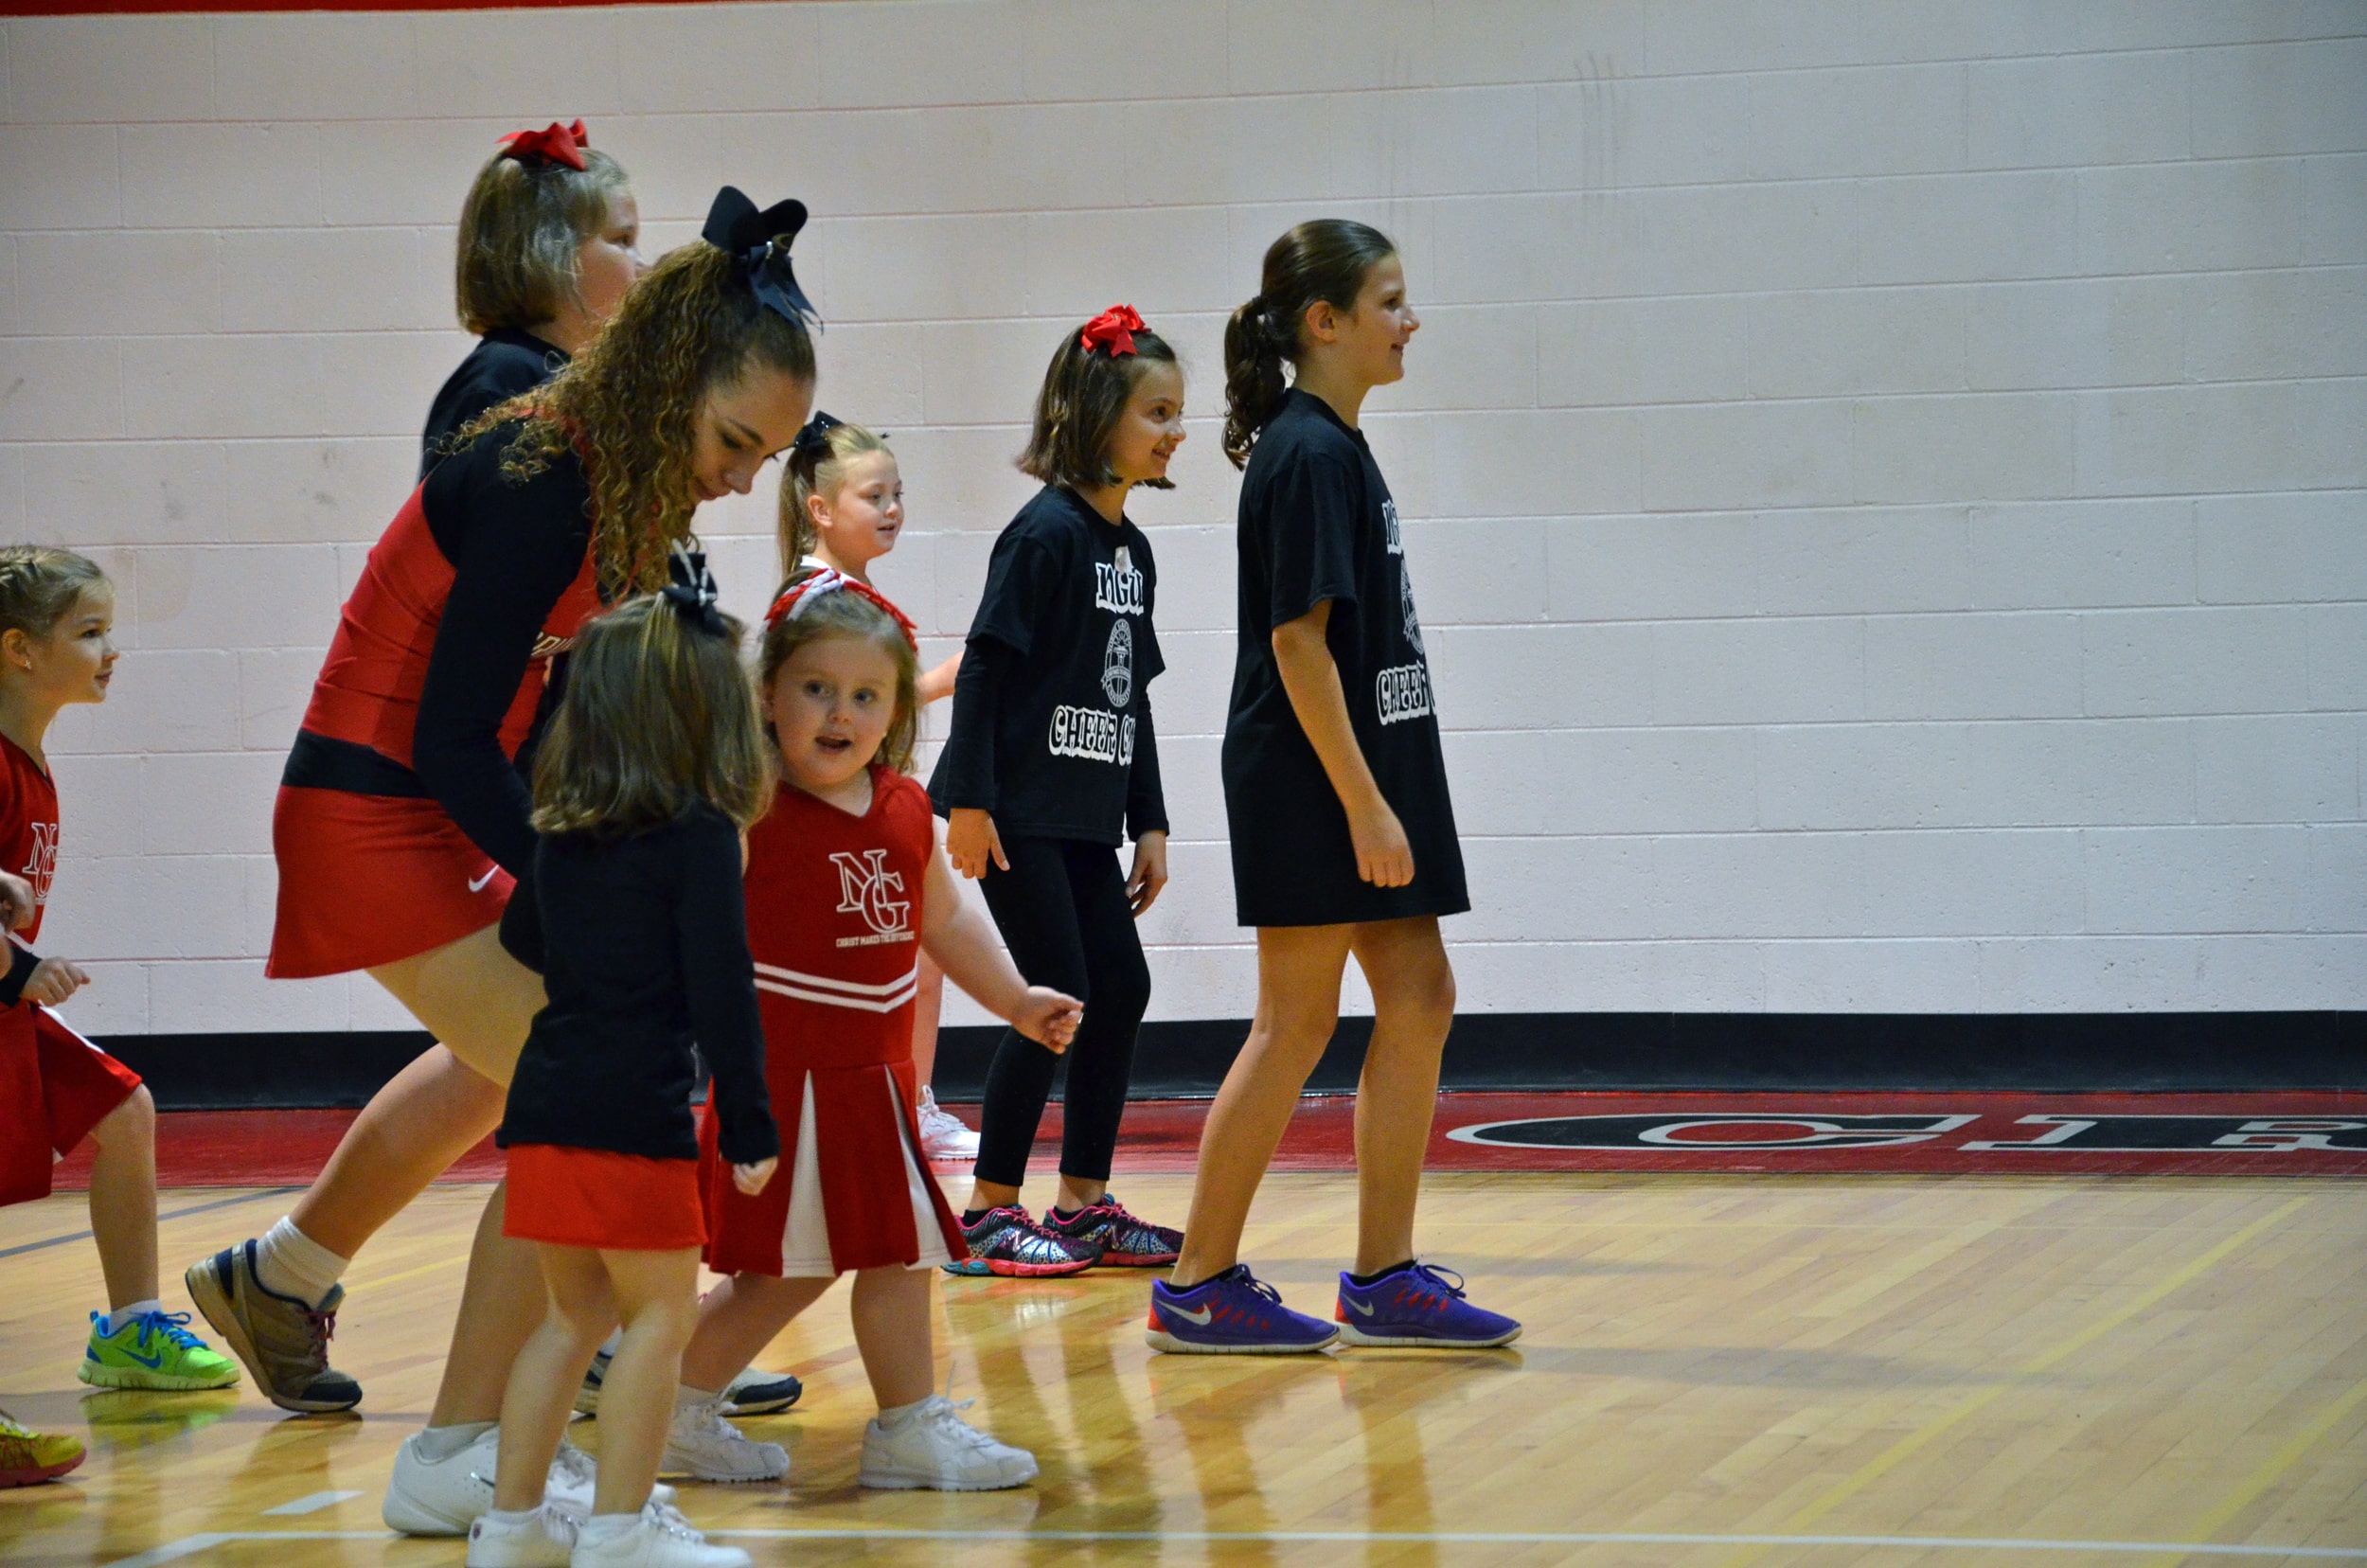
2058, 1052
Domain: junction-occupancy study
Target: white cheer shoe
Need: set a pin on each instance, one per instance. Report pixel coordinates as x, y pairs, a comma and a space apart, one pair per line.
657, 1538
706, 1447
543, 1539
932, 1447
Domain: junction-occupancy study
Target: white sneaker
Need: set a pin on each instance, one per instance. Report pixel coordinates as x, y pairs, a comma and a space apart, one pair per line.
709, 1448
543, 1539
443, 1498
942, 1137
935, 1447
659, 1538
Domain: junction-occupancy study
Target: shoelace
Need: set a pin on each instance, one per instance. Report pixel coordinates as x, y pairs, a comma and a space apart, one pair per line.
1251, 1281
573, 1463
945, 1416
1436, 1278
167, 1326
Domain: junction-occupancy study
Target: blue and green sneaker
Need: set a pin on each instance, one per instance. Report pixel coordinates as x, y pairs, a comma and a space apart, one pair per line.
152, 1351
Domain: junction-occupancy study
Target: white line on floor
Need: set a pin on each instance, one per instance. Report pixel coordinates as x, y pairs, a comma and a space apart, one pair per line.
312, 1503
190, 1545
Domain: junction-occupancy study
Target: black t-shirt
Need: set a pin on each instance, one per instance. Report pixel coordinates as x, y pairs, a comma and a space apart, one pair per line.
647, 951
505, 363
1051, 729
1316, 525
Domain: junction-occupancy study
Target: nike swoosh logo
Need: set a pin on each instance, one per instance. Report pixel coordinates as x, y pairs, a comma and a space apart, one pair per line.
1356, 1306
1200, 1317
151, 1362
476, 884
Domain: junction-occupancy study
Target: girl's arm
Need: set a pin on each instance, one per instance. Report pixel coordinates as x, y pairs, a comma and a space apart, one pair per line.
964, 945
711, 947
965, 783
936, 685
1146, 818
1383, 856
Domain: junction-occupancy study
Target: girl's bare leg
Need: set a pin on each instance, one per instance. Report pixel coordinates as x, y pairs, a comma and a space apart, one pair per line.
1298, 1006
123, 1199
540, 1396
891, 1313
1405, 963
428, 1115
657, 1300
737, 1319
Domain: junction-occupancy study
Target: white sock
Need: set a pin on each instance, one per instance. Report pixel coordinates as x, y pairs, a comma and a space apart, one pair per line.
607, 1527
686, 1396
896, 1415
615, 1343
437, 1444
290, 1263
510, 1517
122, 1315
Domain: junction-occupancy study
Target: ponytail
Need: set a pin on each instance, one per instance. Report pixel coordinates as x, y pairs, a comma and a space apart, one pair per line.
1323, 259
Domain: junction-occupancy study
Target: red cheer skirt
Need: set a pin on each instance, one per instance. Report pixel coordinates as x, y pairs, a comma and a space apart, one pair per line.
597, 1198
366, 880
55, 1086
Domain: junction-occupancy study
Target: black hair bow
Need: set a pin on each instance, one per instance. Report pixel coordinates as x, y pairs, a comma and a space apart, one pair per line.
812, 442
760, 243
692, 592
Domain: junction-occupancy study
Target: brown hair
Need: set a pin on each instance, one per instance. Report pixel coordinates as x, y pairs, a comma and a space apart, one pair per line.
1326, 260
631, 402
520, 231
1084, 392
848, 614
656, 720
816, 467
40, 585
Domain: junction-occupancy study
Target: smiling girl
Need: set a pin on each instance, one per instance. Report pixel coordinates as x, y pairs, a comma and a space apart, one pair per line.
1051, 762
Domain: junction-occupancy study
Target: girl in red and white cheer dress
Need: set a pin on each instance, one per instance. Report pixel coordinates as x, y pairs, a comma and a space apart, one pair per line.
846, 887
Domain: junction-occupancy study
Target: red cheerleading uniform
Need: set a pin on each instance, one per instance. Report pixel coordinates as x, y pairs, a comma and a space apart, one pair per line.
834, 907
382, 855
55, 1086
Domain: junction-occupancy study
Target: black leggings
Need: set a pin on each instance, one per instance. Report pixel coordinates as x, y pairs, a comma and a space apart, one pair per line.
1062, 911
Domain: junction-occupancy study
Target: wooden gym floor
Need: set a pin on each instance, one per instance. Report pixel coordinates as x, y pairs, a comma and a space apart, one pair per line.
1719, 1371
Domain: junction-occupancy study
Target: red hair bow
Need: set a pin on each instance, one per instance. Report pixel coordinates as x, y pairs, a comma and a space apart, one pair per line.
803, 592
561, 144
1113, 330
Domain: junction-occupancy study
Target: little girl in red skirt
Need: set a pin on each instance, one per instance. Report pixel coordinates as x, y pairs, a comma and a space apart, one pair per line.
643, 790
845, 888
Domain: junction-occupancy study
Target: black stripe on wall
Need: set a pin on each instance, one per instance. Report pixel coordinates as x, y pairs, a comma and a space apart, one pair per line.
1532, 1051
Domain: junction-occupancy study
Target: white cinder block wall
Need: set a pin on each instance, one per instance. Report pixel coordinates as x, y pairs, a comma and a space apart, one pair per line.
1890, 479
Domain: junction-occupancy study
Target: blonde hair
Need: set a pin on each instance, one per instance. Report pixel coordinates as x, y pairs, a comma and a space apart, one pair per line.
816, 467
522, 230
631, 402
40, 585
849, 615
657, 719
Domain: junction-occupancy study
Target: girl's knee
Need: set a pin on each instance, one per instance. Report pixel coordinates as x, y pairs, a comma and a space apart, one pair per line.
131, 1122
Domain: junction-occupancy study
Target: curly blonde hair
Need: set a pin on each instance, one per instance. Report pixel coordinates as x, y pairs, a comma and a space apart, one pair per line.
630, 403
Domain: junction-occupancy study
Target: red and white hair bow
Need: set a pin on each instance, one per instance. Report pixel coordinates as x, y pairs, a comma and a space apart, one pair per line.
1112, 329
806, 590
561, 144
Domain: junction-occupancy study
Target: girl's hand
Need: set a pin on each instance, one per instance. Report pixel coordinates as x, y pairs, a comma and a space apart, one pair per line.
1149, 874
750, 1179
1047, 1017
1383, 856
936, 685
52, 981
16, 903
971, 841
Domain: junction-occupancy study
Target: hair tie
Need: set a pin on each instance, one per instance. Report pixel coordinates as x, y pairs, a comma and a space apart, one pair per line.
555, 143
692, 591
1112, 329
829, 579
813, 442
760, 243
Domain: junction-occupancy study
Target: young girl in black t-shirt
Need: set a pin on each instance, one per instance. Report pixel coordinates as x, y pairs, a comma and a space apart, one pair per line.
1335, 789
1050, 763
643, 791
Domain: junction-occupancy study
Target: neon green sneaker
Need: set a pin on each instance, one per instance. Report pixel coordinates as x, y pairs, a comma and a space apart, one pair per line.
153, 1350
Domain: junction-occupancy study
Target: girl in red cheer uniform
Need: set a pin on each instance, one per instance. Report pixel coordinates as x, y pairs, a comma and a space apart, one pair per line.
845, 888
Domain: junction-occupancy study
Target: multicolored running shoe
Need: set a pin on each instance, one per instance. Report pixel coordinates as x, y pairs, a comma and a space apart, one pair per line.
152, 1351
1418, 1305
1232, 1313
283, 1342
1006, 1241
27, 1459
1127, 1241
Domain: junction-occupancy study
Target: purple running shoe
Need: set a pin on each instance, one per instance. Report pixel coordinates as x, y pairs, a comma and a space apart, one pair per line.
1127, 1241
1231, 1314
1418, 1305
1005, 1241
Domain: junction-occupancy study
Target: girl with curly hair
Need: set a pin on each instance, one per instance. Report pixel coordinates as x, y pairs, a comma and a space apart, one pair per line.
407, 781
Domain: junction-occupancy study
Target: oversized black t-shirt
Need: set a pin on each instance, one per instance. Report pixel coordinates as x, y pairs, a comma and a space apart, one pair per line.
505, 363
1316, 525
1051, 729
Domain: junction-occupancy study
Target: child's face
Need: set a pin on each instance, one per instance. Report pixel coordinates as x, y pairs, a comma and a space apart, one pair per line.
832, 703
1152, 426
608, 263
743, 426
1374, 335
861, 520
77, 660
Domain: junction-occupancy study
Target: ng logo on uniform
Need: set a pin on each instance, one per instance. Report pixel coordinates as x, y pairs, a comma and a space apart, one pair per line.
863, 886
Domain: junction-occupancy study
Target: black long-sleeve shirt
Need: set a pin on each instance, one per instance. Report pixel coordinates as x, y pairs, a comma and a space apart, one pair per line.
647, 951
505, 361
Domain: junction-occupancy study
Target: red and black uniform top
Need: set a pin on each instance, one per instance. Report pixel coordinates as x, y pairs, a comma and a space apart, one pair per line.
28, 848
